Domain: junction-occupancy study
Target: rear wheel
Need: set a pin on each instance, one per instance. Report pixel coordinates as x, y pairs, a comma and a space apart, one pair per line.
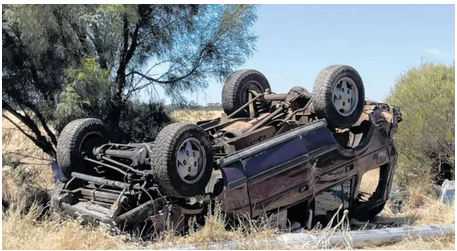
183, 160
235, 92
77, 141
339, 95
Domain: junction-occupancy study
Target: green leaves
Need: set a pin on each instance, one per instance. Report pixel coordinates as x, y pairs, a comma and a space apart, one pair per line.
85, 93
62, 62
426, 137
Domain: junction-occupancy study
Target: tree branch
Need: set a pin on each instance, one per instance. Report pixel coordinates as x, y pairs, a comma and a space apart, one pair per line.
133, 45
19, 128
39, 139
39, 116
45, 125
203, 55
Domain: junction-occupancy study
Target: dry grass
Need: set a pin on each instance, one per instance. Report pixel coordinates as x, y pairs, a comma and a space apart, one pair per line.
26, 182
24, 230
369, 181
215, 231
446, 242
192, 116
431, 212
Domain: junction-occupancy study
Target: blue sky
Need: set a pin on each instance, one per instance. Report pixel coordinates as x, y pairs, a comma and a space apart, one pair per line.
380, 41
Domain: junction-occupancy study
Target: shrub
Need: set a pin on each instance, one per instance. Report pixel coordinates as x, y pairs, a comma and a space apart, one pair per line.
426, 136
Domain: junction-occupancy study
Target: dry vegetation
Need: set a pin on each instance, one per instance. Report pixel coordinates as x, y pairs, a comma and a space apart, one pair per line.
192, 116
24, 231
26, 226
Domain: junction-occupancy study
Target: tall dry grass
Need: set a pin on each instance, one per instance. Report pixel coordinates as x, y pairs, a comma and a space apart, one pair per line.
26, 231
216, 230
193, 116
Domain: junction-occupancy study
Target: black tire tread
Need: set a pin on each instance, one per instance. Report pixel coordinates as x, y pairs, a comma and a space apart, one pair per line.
66, 144
232, 85
162, 158
322, 90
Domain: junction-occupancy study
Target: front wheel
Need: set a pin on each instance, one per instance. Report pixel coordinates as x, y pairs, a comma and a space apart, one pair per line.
339, 95
182, 160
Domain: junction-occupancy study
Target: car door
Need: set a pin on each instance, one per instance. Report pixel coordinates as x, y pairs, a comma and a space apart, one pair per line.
278, 170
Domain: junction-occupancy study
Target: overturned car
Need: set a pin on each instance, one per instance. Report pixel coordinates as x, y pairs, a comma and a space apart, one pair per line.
300, 155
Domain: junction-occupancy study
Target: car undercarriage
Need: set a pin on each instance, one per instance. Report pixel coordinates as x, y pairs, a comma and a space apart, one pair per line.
268, 153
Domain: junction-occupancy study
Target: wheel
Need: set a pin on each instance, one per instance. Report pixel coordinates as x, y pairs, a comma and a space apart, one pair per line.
339, 96
235, 91
182, 160
76, 141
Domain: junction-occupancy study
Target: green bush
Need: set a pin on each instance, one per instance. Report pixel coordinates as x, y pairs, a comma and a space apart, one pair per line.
142, 121
425, 140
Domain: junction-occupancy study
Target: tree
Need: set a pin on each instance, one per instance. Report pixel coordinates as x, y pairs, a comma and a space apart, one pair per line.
62, 62
426, 137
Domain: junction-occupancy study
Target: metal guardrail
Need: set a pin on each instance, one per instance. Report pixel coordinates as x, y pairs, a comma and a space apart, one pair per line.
351, 238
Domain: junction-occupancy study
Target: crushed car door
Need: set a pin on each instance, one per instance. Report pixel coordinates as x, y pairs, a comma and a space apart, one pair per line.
278, 171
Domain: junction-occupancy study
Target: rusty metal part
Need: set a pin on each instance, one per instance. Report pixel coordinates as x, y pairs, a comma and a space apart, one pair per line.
240, 127
251, 106
123, 165
258, 119
275, 97
105, 165
101, 181
119, 153
265, 120
287, 126
253, 138
243, 106
247, 139
95, 212
101, 195
191, 211
137, 214
299, 110
283, 96
116, 206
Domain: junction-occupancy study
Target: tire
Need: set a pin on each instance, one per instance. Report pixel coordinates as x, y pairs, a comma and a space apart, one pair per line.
77, 140
172, 154
330, 84
234, 92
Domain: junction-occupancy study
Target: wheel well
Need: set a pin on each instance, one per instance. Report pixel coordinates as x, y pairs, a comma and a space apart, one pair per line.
370, 199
